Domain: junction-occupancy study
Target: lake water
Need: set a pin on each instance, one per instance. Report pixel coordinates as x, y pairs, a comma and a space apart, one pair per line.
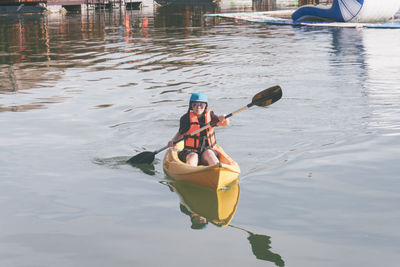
80, 94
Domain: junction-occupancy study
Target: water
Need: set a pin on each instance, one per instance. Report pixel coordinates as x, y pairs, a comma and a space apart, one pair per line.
79, 94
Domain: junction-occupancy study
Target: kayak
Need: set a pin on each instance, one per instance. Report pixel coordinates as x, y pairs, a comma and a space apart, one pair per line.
215, 177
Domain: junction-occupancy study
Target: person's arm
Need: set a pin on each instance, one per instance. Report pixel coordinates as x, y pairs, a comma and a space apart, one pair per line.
184, 126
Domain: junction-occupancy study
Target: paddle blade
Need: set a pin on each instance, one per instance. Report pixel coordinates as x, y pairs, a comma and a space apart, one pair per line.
146, 157
267, 96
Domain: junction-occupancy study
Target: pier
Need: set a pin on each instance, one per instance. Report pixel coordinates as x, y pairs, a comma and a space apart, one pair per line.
38, 6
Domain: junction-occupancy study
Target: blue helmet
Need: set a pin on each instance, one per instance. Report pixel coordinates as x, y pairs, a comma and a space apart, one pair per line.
198, 97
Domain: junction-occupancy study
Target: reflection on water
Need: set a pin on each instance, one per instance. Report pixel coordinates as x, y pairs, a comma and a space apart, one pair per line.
203, 205
113, 162
36, 50
363, 55
260, 245
184, 18
382, 68
217, 207
116, 162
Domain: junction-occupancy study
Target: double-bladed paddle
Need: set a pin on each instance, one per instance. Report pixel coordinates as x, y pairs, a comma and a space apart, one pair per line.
261, 99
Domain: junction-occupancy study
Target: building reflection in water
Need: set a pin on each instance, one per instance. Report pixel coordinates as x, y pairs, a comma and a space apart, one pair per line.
37, 49
23, 40
183, 17
203, 206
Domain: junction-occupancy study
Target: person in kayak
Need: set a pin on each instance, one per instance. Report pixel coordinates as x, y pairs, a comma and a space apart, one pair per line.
200, 147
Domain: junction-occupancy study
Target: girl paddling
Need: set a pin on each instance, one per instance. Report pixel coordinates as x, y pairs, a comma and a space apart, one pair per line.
199, 148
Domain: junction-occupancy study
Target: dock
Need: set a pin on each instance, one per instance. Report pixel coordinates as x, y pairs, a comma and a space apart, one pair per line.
40, 6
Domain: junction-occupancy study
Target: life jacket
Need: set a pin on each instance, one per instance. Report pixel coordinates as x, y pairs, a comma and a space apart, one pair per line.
193, 142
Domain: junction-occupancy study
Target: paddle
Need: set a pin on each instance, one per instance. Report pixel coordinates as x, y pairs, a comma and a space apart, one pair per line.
261, 99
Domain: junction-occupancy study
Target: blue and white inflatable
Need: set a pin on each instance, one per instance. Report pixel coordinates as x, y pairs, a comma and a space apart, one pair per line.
350, 11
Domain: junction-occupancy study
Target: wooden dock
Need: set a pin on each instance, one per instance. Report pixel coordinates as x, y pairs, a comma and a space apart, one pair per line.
39, 6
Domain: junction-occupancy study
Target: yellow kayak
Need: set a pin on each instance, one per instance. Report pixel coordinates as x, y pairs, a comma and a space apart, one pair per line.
214, 177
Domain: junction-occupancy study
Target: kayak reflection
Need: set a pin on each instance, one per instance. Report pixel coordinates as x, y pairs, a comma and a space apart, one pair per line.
260, 245
204, 205
218, 207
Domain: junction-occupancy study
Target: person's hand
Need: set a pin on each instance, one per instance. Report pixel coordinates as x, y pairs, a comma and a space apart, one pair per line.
223, 121
171, 143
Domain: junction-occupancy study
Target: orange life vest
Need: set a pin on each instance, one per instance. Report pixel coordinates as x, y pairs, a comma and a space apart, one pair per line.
193, 142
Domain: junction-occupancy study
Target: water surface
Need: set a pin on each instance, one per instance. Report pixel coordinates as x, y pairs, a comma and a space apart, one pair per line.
81, 93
